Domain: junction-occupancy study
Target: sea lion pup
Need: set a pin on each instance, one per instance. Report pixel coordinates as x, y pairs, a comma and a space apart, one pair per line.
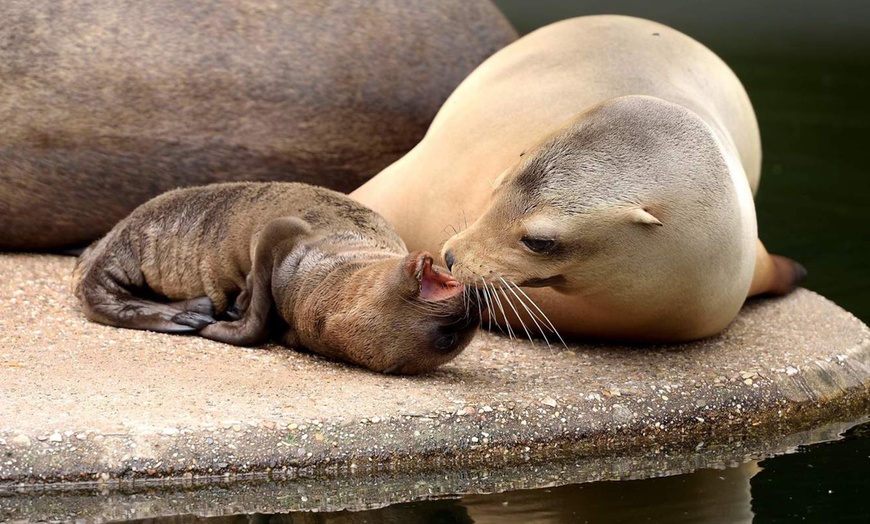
340, 279
612, 160
106, 104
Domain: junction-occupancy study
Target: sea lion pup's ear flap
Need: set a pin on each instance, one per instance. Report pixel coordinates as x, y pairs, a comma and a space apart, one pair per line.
640, 215
431, 282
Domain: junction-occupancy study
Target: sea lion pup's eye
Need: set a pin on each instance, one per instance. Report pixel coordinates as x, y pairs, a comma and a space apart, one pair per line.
446, 342
539, 245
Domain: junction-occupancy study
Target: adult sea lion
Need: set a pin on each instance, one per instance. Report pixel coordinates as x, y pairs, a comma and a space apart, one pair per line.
107, 104
610, 158
339, 278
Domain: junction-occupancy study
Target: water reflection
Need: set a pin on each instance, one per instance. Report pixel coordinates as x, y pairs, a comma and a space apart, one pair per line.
819, 483
448, 511
704, 496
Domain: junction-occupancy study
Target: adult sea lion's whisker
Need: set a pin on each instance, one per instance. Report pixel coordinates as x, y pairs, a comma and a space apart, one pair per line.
479, 307
489, 307
531, 314
507, 299
546, 318
507, 324
466, 302
466, 293
534, 314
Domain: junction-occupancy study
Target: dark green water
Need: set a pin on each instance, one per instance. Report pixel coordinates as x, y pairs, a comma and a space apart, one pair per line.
806, 66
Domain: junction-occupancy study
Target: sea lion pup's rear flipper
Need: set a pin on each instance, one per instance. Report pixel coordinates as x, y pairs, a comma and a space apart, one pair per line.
106, 299
277, 238
774, 274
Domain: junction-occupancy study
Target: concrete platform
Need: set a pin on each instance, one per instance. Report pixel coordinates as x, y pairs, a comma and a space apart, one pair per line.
81, 402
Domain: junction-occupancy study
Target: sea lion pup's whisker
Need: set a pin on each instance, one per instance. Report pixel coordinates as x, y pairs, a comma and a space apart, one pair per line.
531, 314
507, 325
430, 308
546, 318
510, 303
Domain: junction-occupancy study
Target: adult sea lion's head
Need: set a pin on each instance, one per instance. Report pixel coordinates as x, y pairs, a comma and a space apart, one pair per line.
636, 194
394, 315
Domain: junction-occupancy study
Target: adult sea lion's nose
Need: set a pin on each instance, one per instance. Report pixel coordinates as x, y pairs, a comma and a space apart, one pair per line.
448, 259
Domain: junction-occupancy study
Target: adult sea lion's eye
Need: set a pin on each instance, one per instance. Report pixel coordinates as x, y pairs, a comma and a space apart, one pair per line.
539, 245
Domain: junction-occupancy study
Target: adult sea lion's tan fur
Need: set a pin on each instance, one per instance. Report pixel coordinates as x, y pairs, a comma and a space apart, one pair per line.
106, 104
630, 146
338, 277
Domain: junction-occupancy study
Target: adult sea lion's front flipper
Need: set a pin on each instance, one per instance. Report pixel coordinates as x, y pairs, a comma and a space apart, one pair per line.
277, 238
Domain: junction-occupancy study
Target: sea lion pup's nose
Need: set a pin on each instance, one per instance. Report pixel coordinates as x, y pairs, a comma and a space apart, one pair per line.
449, 260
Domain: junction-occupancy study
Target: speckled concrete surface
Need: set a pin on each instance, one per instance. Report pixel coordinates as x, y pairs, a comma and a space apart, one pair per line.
85, 402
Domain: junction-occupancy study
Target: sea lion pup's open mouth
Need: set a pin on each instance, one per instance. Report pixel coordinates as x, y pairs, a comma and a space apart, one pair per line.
435, 283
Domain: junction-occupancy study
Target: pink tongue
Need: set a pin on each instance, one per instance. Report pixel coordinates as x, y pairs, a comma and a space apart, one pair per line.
437, 284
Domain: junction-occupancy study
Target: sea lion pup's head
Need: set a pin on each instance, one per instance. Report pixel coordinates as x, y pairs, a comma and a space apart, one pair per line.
400, 315
631, 199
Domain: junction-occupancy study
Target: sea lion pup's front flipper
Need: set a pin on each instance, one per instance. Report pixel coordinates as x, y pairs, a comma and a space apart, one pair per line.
278, 237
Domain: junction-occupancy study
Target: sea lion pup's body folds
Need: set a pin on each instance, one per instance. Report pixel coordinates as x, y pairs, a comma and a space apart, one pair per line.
305, 263
610, 163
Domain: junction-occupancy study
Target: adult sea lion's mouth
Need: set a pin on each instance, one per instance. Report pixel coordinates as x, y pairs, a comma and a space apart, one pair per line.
543, 282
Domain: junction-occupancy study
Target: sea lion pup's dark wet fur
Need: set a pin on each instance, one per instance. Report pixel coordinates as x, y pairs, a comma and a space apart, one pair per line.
339, 278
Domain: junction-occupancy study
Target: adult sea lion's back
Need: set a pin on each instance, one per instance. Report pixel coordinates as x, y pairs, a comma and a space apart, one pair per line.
105, 105
608, 160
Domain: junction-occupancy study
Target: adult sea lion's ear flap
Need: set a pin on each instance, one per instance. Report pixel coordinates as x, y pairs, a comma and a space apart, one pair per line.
432, 282
640, 215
